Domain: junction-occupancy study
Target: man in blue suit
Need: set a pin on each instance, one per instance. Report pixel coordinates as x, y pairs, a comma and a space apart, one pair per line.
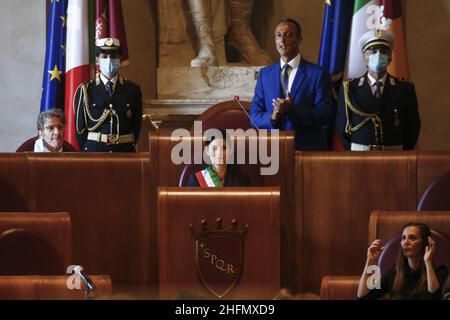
294, 94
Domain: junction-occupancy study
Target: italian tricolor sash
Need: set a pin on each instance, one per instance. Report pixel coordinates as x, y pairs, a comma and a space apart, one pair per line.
208, 178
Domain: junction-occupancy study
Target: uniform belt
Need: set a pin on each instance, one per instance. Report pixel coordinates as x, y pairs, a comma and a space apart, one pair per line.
374, 147
111, 138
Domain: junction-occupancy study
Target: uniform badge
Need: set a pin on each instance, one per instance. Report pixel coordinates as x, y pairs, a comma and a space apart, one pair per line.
219, 256
392, 80
361, 82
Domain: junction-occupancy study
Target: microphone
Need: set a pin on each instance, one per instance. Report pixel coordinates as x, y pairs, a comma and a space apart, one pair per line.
78, 270
236, 99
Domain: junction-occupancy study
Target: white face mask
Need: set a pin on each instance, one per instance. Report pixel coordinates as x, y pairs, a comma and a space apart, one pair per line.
109, 67
378, 62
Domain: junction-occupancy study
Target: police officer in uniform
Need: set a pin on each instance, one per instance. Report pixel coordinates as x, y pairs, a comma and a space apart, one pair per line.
108, 110
378, 111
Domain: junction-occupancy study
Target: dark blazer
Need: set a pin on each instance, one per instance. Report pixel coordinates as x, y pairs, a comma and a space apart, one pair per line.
311, 112
410, 282
397, 108
127, 103
234, 177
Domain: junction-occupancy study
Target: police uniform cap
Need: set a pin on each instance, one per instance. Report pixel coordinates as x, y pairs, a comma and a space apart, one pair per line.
377, 38
108, 45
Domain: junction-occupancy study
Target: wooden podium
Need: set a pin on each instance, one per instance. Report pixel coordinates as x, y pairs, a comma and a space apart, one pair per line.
50, 288
166, 174
219, 243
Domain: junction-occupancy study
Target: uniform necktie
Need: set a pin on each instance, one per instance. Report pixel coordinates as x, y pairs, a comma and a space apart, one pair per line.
285, 79
378, 84
109, 88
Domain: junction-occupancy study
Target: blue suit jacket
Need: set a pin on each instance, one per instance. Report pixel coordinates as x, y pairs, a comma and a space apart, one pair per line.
311, 113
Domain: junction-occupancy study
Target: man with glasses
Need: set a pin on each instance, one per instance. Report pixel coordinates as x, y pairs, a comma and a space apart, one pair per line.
51, 125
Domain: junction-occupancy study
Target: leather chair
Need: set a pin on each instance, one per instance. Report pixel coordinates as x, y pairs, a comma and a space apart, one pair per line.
386, 224
437, 195
24, 253
339, 287
28, 146
226, 115
12, 199
34, 243
189, 170
391, 248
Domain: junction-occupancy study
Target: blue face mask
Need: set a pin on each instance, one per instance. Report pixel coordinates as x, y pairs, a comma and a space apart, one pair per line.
109, 67
378, 62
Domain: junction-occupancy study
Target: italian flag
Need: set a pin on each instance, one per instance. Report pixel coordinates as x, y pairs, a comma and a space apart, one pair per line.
377, 14
366, 16
394, 21
77, 60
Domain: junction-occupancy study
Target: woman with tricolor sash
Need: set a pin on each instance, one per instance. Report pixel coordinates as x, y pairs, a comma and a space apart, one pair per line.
219, 173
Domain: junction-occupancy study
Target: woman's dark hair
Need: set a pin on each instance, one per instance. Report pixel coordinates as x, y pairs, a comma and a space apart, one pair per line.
402, 263
216, 135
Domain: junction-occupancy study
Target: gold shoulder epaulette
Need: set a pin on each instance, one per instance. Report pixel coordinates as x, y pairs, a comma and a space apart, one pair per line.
361, 82
84, 85
405, 79
122, 80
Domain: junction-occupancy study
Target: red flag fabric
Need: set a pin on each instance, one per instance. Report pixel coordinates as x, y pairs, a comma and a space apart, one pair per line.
109, 23
393, 19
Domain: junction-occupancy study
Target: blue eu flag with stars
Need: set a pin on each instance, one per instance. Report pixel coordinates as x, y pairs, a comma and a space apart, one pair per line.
54, 67
336, 26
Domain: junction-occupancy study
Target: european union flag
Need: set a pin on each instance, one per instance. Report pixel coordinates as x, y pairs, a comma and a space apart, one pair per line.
336, 26
54, 67
335, 35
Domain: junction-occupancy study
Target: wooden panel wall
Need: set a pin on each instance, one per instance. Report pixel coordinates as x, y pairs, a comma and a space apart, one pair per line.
387, 224
430, 166
112, 203
338, 193
107, 198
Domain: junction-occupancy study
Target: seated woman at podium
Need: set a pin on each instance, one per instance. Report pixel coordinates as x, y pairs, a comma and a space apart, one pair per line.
219, 173
413, 277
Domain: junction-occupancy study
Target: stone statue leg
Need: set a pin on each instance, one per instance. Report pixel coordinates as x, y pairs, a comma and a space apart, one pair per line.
241, 36
201, 17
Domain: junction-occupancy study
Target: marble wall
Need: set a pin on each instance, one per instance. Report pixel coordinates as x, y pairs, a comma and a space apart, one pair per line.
22, 37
